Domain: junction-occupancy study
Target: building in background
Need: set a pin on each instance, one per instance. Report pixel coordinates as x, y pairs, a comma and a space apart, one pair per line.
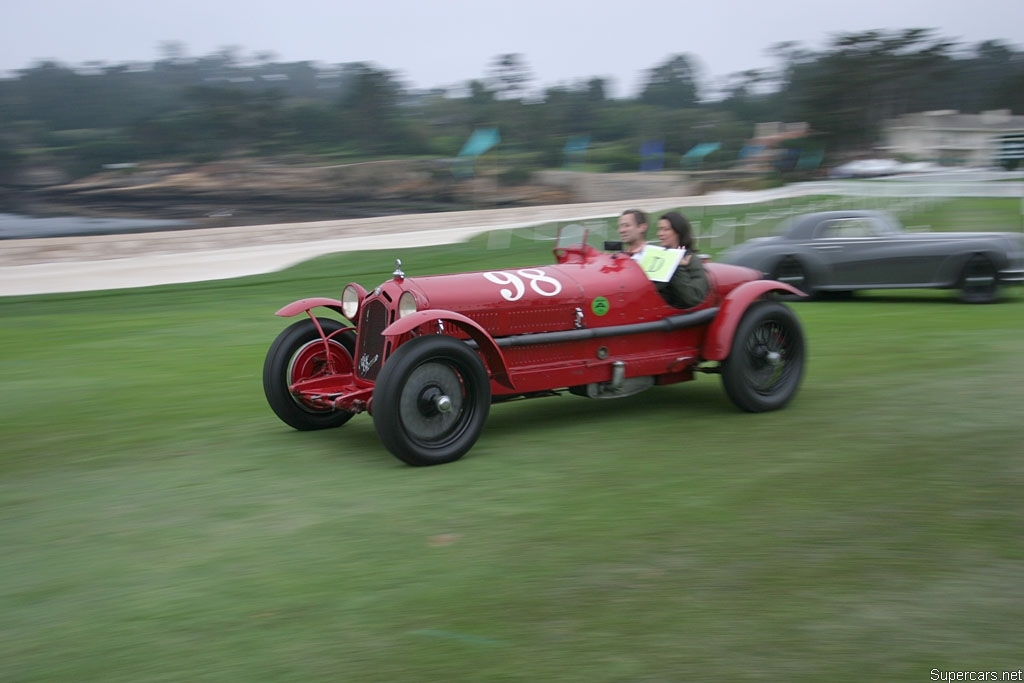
779, 146
949, 138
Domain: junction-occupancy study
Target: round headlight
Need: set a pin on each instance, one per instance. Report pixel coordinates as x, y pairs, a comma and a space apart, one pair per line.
351, 300
406, 304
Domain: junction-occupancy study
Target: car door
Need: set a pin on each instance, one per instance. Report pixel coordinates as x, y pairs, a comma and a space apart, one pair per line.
878, 252
853, 247
913, 259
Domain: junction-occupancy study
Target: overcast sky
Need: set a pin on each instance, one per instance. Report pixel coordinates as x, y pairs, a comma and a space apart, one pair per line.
443, 43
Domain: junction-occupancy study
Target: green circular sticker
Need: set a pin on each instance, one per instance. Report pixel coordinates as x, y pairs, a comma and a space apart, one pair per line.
600, 306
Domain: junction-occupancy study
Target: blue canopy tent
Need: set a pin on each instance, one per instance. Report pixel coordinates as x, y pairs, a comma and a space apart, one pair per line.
652, 155
750, 150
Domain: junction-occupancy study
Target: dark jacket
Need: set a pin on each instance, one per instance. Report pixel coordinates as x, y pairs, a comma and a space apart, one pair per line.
688, 285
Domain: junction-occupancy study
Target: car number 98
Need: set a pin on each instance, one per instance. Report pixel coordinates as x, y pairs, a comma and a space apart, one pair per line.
538, 280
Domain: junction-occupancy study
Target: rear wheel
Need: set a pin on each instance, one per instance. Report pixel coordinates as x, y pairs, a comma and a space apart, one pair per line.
299, 353
791, 272
978, 282
766, 363
431, 400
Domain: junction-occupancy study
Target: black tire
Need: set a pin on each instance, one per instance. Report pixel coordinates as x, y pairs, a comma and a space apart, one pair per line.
299, 353
792, 272
978, 281
766, 362
407, 400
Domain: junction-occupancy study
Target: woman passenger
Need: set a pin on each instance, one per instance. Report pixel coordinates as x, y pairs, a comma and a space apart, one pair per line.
689, 283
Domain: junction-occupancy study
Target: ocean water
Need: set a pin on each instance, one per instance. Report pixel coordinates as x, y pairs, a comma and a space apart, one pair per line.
15, 226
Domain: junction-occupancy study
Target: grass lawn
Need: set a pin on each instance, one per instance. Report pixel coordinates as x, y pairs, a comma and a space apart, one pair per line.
160, 524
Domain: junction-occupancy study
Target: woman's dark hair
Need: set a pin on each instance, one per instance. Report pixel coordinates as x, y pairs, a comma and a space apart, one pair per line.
682, 228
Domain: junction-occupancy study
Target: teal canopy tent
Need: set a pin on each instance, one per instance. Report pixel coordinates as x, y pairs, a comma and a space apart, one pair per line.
810, 159
575, 150
479, 142
695, 157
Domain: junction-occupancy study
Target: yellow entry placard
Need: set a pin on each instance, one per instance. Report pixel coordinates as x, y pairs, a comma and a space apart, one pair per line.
659, 263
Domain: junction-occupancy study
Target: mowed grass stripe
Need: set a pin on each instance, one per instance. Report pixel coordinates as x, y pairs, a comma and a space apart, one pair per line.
159, 523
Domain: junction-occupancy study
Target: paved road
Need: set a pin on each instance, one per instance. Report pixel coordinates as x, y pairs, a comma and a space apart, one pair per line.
74, 264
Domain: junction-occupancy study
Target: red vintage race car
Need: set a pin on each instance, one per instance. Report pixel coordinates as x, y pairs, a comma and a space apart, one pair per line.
427, 356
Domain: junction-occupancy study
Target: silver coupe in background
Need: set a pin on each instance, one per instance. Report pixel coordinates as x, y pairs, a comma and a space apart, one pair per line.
843, 251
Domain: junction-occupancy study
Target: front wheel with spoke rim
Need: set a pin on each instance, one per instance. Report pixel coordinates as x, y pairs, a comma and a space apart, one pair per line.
431, 400
766, 363
299, 353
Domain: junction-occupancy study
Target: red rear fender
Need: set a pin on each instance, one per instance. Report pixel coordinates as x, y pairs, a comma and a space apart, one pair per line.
492, 354
303, 305
718, 341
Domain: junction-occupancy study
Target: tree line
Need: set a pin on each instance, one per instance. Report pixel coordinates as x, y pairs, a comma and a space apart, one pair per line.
78, 118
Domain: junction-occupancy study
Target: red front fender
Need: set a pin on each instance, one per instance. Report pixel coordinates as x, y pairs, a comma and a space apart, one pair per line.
495, 360
718, 341
303, 305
